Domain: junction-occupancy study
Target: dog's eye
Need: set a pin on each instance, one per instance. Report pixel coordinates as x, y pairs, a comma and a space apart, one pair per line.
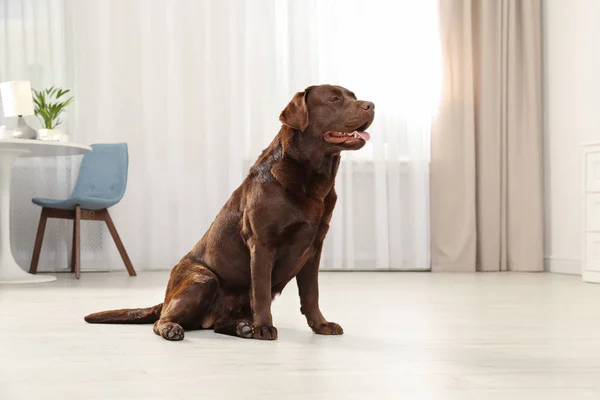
334, 98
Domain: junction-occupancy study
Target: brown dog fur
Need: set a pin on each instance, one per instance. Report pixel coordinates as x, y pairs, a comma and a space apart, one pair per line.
270, 230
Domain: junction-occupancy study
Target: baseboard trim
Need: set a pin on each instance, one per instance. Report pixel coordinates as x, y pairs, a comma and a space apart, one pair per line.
563, 266
591, 276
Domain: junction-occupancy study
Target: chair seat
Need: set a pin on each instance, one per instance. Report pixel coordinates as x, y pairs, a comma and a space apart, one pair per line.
85, 202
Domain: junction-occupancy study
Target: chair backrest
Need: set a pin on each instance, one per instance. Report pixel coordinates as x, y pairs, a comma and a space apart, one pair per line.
103, 172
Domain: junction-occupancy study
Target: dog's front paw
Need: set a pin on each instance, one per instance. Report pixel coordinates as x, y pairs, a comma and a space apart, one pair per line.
265, 332
328, 328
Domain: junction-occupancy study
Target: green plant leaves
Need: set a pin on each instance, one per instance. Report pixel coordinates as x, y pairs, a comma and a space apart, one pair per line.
48, 107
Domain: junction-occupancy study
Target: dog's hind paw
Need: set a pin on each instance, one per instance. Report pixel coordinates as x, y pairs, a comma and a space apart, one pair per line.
170, 331
244, 329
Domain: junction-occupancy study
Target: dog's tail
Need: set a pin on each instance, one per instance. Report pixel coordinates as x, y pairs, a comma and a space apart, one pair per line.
126, 316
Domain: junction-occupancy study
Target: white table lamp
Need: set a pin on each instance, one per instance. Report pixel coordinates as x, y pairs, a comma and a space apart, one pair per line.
17, 101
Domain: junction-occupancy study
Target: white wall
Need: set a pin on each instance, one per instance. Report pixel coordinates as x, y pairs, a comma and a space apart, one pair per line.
571, 36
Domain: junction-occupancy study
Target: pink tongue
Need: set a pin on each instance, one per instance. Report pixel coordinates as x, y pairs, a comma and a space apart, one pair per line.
364, 135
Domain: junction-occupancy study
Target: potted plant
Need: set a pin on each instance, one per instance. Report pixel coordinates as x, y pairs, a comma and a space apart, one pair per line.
49, 105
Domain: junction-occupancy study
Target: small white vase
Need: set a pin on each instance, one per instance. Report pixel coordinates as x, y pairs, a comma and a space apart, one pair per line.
52, 134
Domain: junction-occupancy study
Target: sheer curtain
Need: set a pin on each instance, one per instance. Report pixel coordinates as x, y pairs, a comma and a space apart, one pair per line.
195, 88
387, 52
33, 47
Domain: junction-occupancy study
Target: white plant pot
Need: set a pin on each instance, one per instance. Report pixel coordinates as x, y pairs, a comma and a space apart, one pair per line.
53, 135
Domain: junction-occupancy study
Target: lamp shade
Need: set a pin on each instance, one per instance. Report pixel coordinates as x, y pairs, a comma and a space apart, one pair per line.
16, 98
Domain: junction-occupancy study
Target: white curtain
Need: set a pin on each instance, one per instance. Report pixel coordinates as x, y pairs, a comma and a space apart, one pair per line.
33, 47
195, 88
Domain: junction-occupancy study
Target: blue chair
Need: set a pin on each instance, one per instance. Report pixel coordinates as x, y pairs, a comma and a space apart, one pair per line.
101, 184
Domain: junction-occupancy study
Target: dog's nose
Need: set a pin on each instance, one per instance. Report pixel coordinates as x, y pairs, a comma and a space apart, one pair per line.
367, 105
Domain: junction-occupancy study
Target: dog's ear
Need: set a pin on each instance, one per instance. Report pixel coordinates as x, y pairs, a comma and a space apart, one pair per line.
295, 114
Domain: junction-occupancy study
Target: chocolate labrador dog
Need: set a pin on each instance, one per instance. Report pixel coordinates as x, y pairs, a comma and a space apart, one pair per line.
270, 230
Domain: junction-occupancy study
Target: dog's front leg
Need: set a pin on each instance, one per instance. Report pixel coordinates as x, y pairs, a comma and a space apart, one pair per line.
308, 277
262, 258
308, 288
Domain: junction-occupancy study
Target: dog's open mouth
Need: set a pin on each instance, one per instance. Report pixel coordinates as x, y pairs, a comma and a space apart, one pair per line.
346, 137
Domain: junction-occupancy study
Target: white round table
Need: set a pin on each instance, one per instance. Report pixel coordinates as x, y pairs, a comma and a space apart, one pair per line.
10, 149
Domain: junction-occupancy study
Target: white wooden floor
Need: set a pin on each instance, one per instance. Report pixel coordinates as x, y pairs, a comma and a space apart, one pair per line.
408, 336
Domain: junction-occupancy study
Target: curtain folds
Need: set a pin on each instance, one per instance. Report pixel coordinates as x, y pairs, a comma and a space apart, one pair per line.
195, 88
486, 159
33, 47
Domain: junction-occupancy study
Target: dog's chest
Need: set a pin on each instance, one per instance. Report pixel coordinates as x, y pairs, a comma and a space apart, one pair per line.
307, 210
303, 216
296, 241
304, 183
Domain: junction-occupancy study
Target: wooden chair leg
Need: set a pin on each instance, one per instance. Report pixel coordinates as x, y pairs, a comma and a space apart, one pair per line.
39, 238
76, 243
73, 247
117, 239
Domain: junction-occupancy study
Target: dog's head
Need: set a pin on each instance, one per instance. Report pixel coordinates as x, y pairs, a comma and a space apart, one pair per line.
330, 116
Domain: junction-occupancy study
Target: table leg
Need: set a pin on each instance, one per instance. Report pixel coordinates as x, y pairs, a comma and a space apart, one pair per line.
10, 272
